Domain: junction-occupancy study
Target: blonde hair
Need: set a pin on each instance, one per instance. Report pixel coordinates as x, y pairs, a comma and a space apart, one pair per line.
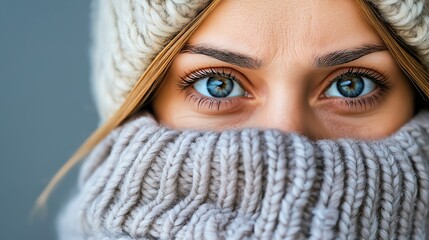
153, 76
138, 96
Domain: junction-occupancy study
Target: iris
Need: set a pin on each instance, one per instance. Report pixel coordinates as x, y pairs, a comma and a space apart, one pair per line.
216, 86
219, 87
351, 86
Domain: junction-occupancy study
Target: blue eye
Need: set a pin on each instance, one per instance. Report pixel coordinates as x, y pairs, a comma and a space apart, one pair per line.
218, 87
351, 86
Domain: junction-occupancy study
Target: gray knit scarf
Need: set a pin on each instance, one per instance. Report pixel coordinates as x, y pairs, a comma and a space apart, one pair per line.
146, 181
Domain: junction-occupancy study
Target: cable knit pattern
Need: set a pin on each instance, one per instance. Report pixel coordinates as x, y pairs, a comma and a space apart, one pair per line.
146, 181
128, 34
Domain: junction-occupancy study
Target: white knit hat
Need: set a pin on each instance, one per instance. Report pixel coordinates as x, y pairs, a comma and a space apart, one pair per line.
128, 34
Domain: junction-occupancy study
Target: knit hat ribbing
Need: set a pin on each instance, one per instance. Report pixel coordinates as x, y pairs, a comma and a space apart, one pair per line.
146, 181
128, 34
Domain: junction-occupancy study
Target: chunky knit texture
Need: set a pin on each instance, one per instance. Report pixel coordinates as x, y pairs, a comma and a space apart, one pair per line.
145, 181
128, 34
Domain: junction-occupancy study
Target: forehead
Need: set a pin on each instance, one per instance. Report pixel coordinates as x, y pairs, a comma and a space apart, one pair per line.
269, 27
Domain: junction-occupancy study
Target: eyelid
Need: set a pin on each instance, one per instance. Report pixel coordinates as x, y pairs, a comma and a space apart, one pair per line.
361, 103
379, 78
191, 76
207, 104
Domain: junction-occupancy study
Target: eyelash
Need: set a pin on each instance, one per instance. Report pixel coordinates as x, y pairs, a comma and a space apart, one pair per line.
192, 76
381, 80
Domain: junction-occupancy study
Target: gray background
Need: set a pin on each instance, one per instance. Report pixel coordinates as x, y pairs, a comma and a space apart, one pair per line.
46, 110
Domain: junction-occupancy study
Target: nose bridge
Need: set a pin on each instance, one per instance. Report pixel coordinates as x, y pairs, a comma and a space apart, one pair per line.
286, 108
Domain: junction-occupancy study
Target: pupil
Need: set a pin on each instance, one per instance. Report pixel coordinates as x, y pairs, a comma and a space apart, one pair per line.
350, 87
219, 87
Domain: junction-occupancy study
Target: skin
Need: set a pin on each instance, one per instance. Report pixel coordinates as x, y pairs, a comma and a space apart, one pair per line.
285, 83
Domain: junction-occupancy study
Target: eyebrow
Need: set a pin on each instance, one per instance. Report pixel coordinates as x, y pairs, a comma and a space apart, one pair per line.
242, 60
346, 56
224, 55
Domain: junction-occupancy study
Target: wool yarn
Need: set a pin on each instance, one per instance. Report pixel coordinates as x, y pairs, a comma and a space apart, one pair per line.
146, 181
128, 34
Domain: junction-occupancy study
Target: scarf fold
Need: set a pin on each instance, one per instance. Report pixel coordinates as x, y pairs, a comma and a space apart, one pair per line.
146, 181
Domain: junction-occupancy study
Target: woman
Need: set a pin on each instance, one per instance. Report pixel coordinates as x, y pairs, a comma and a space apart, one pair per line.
258, 119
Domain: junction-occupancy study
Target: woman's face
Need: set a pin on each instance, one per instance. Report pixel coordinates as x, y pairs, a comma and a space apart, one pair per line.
312, 67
